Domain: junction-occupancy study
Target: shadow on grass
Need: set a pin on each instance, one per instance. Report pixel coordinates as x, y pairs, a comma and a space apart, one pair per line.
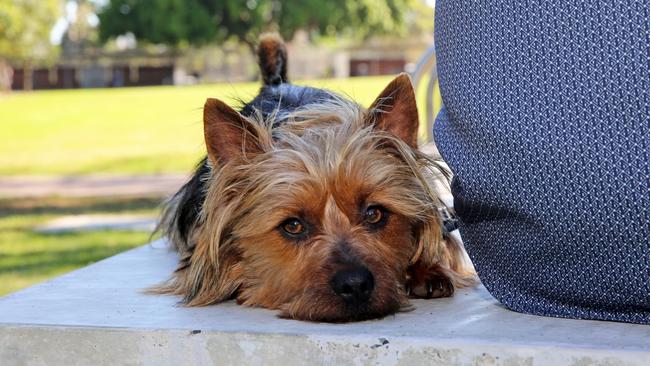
76, 206
53, 261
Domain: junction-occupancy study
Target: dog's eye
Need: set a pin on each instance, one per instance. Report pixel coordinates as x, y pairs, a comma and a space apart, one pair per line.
293, 227
374, 215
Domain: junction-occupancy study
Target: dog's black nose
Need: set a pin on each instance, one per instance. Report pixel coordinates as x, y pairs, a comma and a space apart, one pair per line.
355, 285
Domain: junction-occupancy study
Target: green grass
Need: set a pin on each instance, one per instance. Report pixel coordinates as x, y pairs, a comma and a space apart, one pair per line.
127, 130
130, 130
28, 257
107, 131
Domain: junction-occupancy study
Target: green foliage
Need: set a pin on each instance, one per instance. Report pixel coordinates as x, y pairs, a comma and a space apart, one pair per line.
171, 22
179, 22
25, 27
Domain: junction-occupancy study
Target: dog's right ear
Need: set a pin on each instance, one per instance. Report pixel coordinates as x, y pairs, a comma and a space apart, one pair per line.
395, 110
228, 135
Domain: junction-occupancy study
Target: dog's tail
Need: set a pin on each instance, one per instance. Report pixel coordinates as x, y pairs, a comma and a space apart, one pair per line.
272, 58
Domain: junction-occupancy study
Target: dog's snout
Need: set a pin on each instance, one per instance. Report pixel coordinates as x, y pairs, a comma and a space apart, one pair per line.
354, 285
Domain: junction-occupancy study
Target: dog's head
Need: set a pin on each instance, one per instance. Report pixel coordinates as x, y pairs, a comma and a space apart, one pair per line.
320, 217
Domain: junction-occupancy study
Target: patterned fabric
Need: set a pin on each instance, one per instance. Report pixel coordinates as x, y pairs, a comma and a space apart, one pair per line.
546, 126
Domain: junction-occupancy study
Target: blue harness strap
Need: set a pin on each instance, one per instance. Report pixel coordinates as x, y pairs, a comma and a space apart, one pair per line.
546, 127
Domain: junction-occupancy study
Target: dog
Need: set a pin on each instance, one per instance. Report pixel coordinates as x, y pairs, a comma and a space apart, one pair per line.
309, 204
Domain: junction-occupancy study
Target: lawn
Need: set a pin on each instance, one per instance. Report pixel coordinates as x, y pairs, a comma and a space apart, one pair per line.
127, 130
28, 257
104, 131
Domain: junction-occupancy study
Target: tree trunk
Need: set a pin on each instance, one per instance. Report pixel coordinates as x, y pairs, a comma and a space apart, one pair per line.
6, 76
28, 76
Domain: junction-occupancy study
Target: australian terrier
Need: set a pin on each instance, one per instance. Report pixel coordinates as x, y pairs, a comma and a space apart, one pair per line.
312, 205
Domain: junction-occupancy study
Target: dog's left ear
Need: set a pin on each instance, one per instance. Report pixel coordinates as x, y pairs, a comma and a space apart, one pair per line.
228, 135
395, 111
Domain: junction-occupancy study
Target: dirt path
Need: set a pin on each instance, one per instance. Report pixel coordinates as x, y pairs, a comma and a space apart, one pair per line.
90, 185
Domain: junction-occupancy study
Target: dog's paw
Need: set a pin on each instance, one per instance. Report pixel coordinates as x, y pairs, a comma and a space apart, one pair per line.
427, 282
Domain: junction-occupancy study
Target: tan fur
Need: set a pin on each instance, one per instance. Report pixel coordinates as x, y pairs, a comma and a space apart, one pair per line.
272, 58
270, 44
325, 164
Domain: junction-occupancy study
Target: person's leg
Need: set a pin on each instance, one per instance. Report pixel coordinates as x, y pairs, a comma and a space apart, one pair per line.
546, 126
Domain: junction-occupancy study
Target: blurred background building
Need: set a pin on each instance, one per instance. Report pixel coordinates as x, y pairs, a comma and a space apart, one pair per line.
116, 43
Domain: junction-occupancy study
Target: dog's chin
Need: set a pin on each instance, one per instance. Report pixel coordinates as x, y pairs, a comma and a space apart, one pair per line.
331, 309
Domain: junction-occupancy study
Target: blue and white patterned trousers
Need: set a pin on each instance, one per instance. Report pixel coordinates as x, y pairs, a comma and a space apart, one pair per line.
546, 126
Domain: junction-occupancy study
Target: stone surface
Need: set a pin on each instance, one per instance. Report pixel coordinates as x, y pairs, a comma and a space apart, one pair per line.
99, 316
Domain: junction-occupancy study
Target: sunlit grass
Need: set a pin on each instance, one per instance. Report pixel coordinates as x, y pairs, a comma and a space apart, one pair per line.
127, 130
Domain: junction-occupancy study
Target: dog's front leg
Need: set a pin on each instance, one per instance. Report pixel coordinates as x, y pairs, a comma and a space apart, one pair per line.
427, 281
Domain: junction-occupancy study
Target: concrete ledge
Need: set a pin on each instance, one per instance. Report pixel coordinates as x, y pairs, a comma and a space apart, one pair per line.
97, 316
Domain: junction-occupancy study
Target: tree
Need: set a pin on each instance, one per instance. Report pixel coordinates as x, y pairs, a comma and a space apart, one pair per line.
196, 22
25, 27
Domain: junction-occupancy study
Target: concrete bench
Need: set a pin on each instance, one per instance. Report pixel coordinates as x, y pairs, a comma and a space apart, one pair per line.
98, 316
